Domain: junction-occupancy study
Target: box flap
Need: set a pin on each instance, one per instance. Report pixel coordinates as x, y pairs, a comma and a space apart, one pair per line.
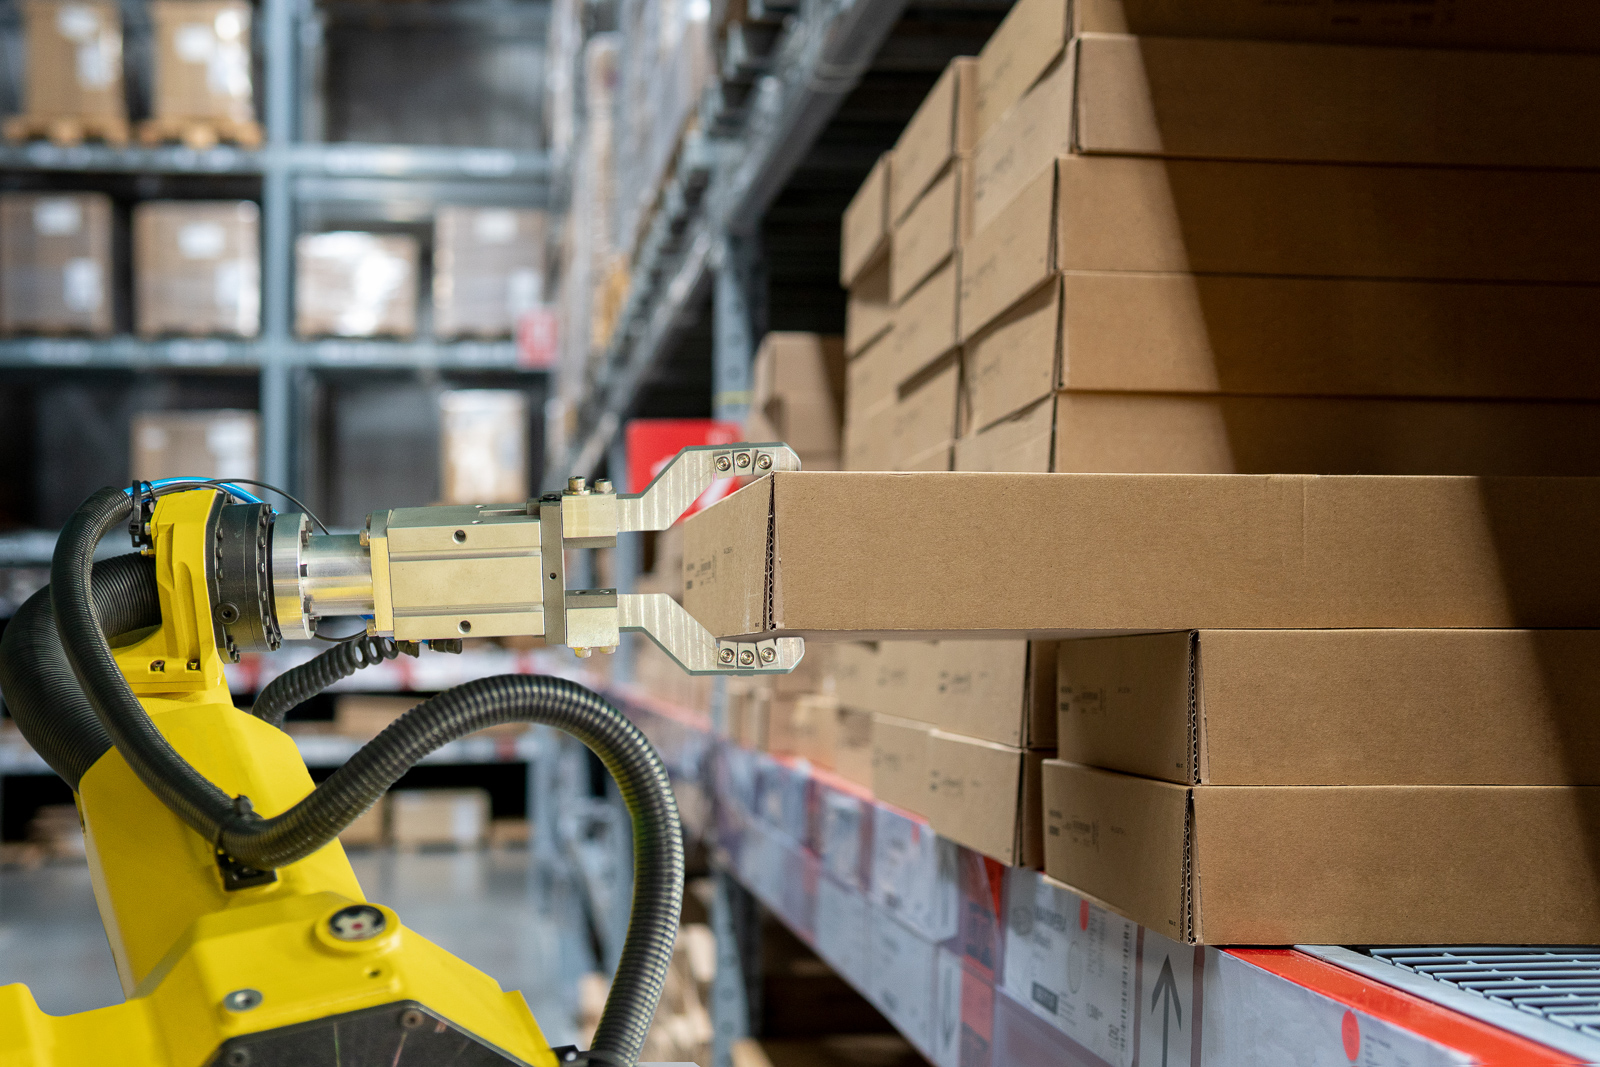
1127, 704
1024, 46
727, 584
1023, 442
1010, 257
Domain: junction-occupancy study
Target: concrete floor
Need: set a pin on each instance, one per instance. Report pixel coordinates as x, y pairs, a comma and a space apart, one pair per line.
475, 904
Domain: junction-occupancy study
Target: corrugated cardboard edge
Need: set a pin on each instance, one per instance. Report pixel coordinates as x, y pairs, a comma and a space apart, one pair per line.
1196, 728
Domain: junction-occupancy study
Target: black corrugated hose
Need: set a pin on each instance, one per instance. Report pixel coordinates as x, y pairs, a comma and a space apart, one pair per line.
355, 787
298, 684
44, 697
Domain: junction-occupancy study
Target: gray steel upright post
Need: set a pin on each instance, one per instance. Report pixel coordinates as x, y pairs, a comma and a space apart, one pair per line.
277, 244
736, 987
738, 321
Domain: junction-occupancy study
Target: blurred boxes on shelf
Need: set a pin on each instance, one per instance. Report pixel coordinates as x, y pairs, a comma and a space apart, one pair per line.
203, 85
354, 284
798, 396
197, 268
868, 313
371, 828
195, 444
73, 84
483, 446
488, 269
362, 717
433, 818
864, 230
55, 263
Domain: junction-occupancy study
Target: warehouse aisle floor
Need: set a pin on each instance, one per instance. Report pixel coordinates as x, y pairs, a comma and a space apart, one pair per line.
475, 904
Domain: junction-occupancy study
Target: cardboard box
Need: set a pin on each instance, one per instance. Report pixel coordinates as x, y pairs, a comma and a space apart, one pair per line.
1152, 434
869, 442
1136, 96
1336, 707
1186, 333
799, 386
923, 422
195, 444
927, 237
488, 269
926, 325
852, 746
370, 830
202, 60
944, 128
1116, 214
364, 716
1065, 555
74, 60
197, 267
1036, 33
977, 793
1222, 99
871, 385
453, 818
887, 677
55, 263
483, 446
864, 231
353, 284
1329, 865
1023, 443
806, 727
999, 691
868, 311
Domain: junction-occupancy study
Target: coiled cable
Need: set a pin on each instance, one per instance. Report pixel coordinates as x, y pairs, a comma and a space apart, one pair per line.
268, 843
298, 684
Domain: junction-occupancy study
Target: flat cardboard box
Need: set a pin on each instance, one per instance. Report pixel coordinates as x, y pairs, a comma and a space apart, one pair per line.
798, 389
1125, 214
927, 237
1222, 99
923, 420
221, 443
999, 691
806, 727
1141, 433
1336, 707
943, 129
483, 445
364, 716
1186, 333
886, 677
927, 326
937, 458
976, 793
1023, 443
871, 383
869, 442
370, 830
867, 555
852, 746
868, 311
55, 263
864, 230
1113, 94
1329, 865
197, 267
452, 818
354, 284
74, 60
488, 269
1035, 33
202, 60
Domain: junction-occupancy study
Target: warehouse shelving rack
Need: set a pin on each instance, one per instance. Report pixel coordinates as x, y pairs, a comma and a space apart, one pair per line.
295, 174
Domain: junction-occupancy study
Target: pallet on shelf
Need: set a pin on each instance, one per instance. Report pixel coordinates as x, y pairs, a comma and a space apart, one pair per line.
68, 130
200, 134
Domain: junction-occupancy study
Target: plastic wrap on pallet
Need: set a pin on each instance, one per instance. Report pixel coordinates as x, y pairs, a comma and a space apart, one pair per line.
197, 267
488, 269
55, 263
354, 284
74, 60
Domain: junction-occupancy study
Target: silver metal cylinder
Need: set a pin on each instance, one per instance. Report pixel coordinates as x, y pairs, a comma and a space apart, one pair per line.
290, 533
336, 576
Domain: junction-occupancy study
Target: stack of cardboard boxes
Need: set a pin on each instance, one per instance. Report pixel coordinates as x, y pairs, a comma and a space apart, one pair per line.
354, 284
1283, 254
203, 87
197, 267
55, 263
73, 87
488, 269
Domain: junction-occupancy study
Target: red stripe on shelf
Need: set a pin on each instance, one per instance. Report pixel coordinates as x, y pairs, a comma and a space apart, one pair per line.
1487, 1044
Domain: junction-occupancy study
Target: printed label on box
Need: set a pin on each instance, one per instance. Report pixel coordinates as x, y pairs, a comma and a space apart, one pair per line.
1072, 964
902, 978
945, 1026
914, 875
841, 836
844, 931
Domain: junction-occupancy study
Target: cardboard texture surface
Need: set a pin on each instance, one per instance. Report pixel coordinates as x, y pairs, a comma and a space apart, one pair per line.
926, 325
923, 421
1358, 865
420, 818
1022, 443
1336, 707
1220, 99
197, 267
864, 230
1077, 554
870, 384
799, 385
353, 284
999, 691
927, 237
202, 62
483, 445
1154, 434
200, 444
943, 129
1125, 214
74, 59
488, 269
55, 263
868, 312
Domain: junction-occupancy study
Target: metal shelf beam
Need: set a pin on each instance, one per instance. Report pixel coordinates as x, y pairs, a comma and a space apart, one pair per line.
180, 354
